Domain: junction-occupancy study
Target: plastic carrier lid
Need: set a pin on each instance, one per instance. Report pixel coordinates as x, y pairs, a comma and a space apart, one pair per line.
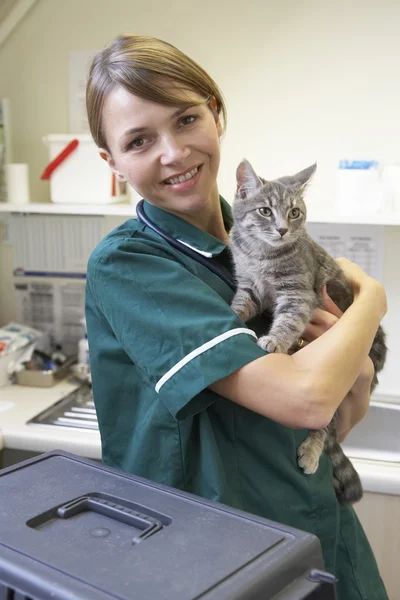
74, 526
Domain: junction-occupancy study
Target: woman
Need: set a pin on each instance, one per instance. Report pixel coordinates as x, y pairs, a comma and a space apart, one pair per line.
184, 395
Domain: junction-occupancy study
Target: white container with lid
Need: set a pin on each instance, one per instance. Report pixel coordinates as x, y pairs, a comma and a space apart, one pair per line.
77, 173
391, 187
359, 187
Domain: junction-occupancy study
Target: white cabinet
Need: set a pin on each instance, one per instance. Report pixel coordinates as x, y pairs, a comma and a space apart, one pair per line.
380, 517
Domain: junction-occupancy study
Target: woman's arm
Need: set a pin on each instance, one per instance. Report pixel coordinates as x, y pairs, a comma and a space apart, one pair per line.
305, 389
355, 405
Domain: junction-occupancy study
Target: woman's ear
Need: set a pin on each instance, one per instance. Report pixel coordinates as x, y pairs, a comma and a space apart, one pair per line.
214, 110
105, 155
219, 126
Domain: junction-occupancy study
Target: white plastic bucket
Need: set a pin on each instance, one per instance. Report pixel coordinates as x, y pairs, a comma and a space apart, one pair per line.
358, 189
83, 177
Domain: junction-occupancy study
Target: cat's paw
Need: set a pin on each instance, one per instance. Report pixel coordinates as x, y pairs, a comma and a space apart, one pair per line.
270, 344
308, 456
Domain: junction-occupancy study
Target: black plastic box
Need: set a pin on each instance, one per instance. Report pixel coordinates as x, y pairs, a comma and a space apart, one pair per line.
72, 529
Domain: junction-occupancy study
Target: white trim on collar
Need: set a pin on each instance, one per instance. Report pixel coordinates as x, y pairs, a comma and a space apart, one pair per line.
206, 254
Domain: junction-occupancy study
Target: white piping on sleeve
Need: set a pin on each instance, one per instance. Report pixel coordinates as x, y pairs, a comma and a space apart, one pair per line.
200, 350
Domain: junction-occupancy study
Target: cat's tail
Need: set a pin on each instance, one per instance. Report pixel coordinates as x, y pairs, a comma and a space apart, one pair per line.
346, 481
378, 354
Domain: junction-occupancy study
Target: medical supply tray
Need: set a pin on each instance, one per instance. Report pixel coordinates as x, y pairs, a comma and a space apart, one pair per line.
71, 528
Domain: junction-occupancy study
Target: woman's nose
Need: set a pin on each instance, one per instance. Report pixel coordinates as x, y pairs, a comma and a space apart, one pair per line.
173, 150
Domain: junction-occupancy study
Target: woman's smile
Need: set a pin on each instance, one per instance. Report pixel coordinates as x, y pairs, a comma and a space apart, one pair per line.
184, 181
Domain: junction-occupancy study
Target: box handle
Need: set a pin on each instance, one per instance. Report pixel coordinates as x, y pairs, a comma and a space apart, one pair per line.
148, 525
59, 159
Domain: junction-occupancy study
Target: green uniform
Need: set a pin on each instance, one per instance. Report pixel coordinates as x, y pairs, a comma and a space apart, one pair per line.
160, 331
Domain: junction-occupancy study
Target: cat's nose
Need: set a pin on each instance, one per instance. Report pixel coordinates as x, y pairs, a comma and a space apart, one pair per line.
282, 231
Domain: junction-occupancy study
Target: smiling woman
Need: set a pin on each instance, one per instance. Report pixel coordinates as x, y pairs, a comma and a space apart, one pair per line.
158, 117
183, 393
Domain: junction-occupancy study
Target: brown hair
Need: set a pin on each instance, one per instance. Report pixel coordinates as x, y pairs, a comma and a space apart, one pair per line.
143, 65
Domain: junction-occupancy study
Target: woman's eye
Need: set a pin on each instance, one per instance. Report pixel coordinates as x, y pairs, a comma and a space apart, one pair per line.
188, 120
138, 143
294, 213
265, 211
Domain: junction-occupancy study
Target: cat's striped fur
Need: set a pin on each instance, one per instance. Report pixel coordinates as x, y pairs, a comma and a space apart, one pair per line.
280, 268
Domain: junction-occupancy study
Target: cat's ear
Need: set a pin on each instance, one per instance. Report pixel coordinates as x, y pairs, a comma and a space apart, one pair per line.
247, 180
300, 179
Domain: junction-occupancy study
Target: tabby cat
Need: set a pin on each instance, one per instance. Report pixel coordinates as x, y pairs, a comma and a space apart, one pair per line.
280, 268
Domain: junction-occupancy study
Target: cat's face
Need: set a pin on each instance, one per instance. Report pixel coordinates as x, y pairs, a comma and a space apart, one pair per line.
271, 211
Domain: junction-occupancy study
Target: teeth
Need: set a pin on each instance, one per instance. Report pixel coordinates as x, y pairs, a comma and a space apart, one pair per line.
182, 178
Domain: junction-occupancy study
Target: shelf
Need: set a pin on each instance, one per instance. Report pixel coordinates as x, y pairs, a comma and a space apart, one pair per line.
366, 219
125, 209
117, 209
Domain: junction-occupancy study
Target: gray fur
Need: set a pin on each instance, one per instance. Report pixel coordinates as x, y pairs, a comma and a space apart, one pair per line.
279, 267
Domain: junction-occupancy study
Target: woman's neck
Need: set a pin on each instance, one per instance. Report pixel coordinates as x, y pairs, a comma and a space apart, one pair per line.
216, 226
210, 219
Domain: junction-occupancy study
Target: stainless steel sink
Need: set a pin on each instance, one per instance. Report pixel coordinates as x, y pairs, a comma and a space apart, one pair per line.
377, 436
74, 411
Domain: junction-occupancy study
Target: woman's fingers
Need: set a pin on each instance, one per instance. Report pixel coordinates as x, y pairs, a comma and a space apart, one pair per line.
321, 325
311, 332
323, 317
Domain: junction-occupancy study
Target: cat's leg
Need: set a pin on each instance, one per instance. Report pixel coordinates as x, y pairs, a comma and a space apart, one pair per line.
291, 316
245, 304
309, 452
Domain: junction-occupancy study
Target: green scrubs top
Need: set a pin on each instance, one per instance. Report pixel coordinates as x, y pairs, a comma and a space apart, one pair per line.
160, 331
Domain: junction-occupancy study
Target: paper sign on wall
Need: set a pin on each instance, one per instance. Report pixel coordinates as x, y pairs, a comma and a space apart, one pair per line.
79, 63
54, 307
362, 244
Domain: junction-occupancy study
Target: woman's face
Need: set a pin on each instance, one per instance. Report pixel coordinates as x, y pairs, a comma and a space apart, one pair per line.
168, 154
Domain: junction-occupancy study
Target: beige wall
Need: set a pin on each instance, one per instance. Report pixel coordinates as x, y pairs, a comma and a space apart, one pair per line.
304, 80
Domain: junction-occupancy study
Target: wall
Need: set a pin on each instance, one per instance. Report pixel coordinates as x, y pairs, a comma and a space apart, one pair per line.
304, 80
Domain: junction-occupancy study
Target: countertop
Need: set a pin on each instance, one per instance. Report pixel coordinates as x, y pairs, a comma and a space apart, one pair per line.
18, 404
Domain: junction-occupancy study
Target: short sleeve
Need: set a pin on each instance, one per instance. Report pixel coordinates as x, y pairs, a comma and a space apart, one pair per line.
176, 328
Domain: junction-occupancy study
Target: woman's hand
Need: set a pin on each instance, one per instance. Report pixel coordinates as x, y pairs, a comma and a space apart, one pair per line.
355, 405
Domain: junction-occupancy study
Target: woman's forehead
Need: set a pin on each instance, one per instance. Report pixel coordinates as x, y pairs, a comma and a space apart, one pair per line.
121, 98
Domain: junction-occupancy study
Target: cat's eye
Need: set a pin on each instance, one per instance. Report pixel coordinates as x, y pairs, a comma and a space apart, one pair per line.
265, 211
294, 213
